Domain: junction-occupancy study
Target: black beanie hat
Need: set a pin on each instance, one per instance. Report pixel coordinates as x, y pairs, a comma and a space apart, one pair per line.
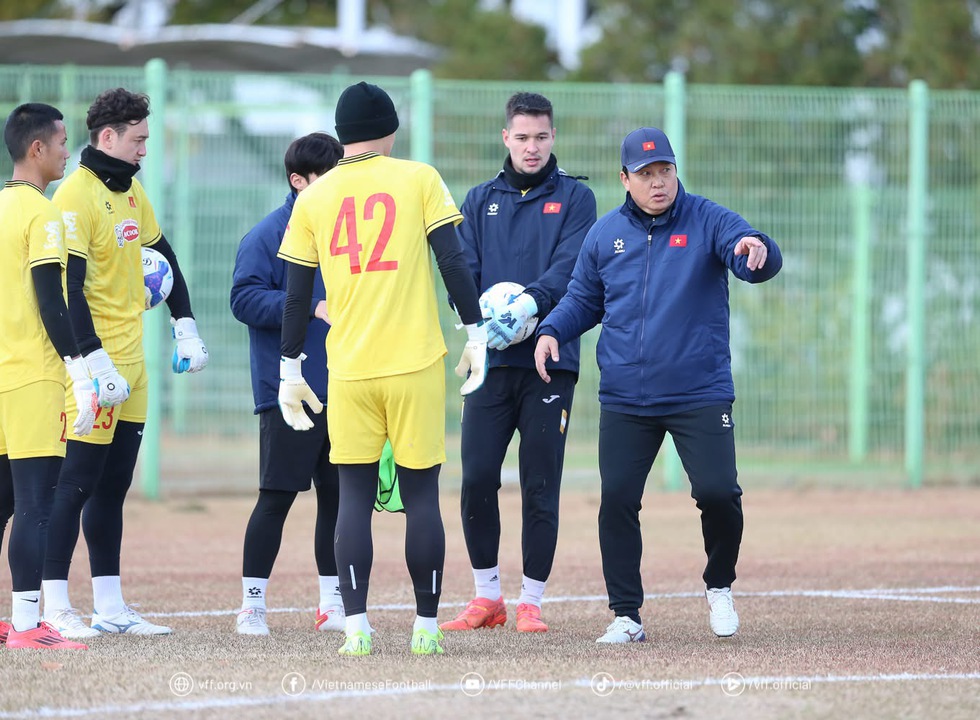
364, 112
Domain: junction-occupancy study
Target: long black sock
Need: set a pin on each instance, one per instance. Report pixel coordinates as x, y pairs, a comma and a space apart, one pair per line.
327, 484
425, 536
102, 516
79, 475
263, 535
353, 545
34, 482
6, 495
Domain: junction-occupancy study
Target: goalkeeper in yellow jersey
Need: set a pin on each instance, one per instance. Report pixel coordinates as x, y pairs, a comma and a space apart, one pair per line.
369, 225
36, 344
108, 218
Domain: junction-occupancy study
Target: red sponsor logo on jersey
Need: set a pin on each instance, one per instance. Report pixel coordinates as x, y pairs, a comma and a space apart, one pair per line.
649, 145
132, 201
678, 240
129, 230
552, 208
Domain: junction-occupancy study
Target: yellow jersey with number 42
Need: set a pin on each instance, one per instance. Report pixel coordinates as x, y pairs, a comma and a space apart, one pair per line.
30, 235
365, 224
107, 229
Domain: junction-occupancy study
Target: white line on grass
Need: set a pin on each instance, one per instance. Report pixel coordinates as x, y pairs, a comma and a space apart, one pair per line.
899, 594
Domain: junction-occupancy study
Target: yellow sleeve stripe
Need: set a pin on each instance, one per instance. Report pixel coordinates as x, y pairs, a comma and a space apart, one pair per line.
78, 253
296, 260
154, 241
454, 219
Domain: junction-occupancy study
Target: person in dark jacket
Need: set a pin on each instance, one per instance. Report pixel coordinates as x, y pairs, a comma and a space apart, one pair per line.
526, 225
654, 272
287, 459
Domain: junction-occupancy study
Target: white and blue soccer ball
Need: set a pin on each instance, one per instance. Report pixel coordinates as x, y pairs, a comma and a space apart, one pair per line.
158, 277
497, 297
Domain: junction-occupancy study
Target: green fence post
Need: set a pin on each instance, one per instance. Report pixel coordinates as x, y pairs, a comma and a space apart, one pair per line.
675, 99
916, 209
857, 397
183, 240
421, 138
153, 322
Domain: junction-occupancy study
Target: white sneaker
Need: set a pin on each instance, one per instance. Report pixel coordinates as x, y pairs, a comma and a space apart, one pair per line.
251, 621
69, 624
623, 630
128, 622
723, 618
332, 618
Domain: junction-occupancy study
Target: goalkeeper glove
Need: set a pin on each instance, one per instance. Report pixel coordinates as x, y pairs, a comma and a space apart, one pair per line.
474, 358
507, 321
86, 398
111, 387
293, 391
190, 355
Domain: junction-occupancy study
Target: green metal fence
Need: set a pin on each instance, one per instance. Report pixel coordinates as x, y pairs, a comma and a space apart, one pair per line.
856, 365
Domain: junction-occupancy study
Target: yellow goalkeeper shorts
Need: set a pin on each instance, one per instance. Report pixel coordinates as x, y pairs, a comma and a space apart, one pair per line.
409, 409
133, 410
33, 421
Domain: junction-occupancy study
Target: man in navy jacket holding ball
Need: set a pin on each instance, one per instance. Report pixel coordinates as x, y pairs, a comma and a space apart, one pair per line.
526, 226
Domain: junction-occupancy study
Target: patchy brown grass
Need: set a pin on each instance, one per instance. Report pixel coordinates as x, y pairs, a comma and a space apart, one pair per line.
802, 551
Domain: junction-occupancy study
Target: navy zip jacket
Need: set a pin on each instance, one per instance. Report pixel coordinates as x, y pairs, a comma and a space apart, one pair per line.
531, 239
258, 293
659, 286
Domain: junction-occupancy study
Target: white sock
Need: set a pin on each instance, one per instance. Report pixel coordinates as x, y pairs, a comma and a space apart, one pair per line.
26, 608
253, 592
107, 595
330, 592
487, 582
357, 623
55, 596
531, 591
430, 625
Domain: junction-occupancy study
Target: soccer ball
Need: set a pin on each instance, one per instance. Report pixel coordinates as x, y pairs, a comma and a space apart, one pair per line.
497, 296
158, 277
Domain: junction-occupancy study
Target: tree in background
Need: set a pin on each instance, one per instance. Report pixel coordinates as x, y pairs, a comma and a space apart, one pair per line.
841, 43
478, 44
836, 43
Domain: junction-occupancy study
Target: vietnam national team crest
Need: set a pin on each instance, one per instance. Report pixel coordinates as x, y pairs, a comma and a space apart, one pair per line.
127, 231
552, 208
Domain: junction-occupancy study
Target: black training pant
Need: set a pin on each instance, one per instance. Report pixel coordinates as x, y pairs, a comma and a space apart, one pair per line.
91, 491
515, 399
425, 538
628, 445
27, 493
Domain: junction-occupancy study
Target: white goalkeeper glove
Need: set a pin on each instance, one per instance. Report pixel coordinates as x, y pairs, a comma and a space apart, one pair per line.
293, 391
190, 355
505, 323
474, 358
111, 387
86, 398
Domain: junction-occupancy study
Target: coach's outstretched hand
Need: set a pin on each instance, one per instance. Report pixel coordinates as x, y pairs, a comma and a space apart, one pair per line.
110, 387
190, 355
547, 347
86, 398
293, 392
474, 358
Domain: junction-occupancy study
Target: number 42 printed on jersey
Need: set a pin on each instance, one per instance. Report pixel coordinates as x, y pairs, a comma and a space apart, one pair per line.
345, 235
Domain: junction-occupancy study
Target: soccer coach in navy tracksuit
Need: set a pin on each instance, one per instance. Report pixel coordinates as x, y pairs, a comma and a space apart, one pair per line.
287, 459
654, 272
526, 225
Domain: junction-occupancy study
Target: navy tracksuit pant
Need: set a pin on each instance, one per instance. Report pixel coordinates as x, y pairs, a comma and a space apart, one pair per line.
514, 398
628, 445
